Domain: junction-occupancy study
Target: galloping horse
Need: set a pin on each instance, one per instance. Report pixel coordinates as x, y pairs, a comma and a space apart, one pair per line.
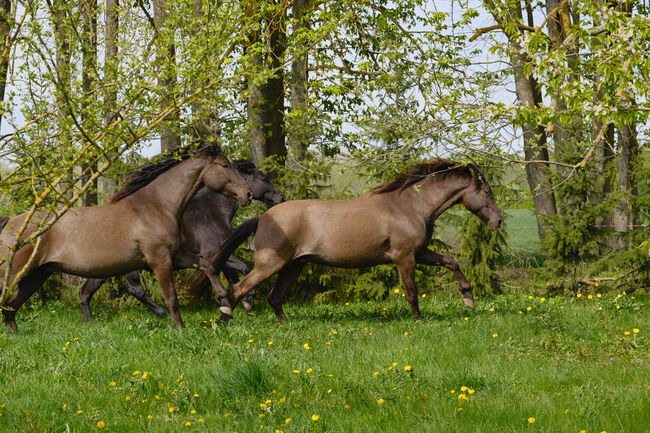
206, 223
138, 229
390, 223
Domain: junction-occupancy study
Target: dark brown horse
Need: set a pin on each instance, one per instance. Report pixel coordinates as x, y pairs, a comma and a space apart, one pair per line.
206, 223
391, 223
138, 229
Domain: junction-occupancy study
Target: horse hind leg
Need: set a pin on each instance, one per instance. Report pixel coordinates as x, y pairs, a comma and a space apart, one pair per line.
134, 286
232, 266
26, 288
86, 293
287, 277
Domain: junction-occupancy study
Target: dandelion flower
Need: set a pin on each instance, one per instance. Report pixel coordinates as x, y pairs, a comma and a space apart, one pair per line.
463, 388
635, 330
261, 415
196, 396
407, 367
529, 308
492, 309
149, 416
145, 375
287, 421
531, 420
396, 290
193, 411
171, 410
471, 391
466, 318
127, 398
347, 406
542, 300
135, 373
309, 370
375, 374
306, 346
579, 295
459, 409
495, 335
296, 371
453, 391
79, 412
626, 333
315, 417
463, 397
282, 400
406, 333
264, 405
201, 420
100, 424
381, 401
424, 295
65, 406
270, 343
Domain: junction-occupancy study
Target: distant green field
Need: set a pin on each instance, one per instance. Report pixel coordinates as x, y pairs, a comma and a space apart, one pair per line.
515, 364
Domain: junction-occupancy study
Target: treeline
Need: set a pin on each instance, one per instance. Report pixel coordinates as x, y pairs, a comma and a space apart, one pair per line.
558, 88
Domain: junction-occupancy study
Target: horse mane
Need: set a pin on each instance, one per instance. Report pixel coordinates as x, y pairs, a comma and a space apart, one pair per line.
3, 221
244, 166
146, 174
419, 171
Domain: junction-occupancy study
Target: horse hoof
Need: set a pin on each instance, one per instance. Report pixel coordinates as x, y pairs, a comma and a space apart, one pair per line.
224, 319
247, 306
469, 302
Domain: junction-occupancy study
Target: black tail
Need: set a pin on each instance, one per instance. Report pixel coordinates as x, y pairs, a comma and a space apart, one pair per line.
3, 222
218, 258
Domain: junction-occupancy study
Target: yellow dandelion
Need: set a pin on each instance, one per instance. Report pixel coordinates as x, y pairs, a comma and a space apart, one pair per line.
65, 406
329, 391
309, 370
306, 346
598, 295
347, 406
579, 295
264, 405
161, 385
566, 411
406, 333
521, 312
375, 374
261, 415
145, 375
424, 295
100, 424
495, 335
149, 416
600, 308
127, 398
626, 333
396, 291
193, 411
635, 330
530, 296
201, 420
172, 409
270, 343
618, 307
542, 300
315, 417
79, 412
381, 401
296, 371
463, 397
157, 397
251, 340
287, 421
196, 396
453, 391
466, 318
407, 367
589, 297
471, 391
529, 308
459, 409
135, 373
67, 343
463, 388
282, 400
492, 309
531, 420
187, 424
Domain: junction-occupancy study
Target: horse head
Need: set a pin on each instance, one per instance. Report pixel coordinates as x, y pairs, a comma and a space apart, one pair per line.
479, 200
221, 175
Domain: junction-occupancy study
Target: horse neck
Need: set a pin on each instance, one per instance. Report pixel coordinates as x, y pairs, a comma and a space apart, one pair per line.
174, 188
217, 204
435, 195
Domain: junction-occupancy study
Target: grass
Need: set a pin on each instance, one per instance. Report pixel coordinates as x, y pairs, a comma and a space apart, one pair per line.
363, 367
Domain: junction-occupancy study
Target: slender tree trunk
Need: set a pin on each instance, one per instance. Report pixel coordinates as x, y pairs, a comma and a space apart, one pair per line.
111, 62
298, 126
5, 30
622, 216
88, 12
166, 61
266, 101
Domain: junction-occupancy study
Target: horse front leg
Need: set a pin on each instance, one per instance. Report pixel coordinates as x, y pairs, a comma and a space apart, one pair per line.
286, 279
406, 269
134, 286
428, 257
162, 267
86, 293
230, 269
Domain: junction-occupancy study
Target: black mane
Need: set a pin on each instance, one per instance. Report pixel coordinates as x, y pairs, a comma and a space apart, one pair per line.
244, 166
146, 174
421, 170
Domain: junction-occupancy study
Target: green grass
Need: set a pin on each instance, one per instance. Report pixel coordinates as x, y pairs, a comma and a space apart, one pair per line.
564, 362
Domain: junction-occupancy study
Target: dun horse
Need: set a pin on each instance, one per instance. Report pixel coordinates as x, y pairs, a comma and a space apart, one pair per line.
206, 223
391, 223
138, 229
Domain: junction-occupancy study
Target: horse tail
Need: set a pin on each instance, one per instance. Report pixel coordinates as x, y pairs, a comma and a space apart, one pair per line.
3, 222
197, 279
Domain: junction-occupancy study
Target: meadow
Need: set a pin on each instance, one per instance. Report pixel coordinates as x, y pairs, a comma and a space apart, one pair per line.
518, 363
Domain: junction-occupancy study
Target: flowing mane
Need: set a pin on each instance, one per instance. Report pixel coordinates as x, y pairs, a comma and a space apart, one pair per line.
146, 174
420, 170
244, 166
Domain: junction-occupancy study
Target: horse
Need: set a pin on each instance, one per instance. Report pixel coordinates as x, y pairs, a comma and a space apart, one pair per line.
206, 223
390, 223
138, 228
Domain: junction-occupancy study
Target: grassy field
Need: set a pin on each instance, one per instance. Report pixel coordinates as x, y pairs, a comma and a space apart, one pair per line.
516, 364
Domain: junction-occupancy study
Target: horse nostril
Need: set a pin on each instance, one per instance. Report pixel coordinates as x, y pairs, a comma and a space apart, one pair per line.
500, 223
249, 195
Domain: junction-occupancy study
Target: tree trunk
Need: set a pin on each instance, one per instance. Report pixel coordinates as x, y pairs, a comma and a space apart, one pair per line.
5, 30
88, 11
266, 101
298, 125
111, 62
166, 61
622, 215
